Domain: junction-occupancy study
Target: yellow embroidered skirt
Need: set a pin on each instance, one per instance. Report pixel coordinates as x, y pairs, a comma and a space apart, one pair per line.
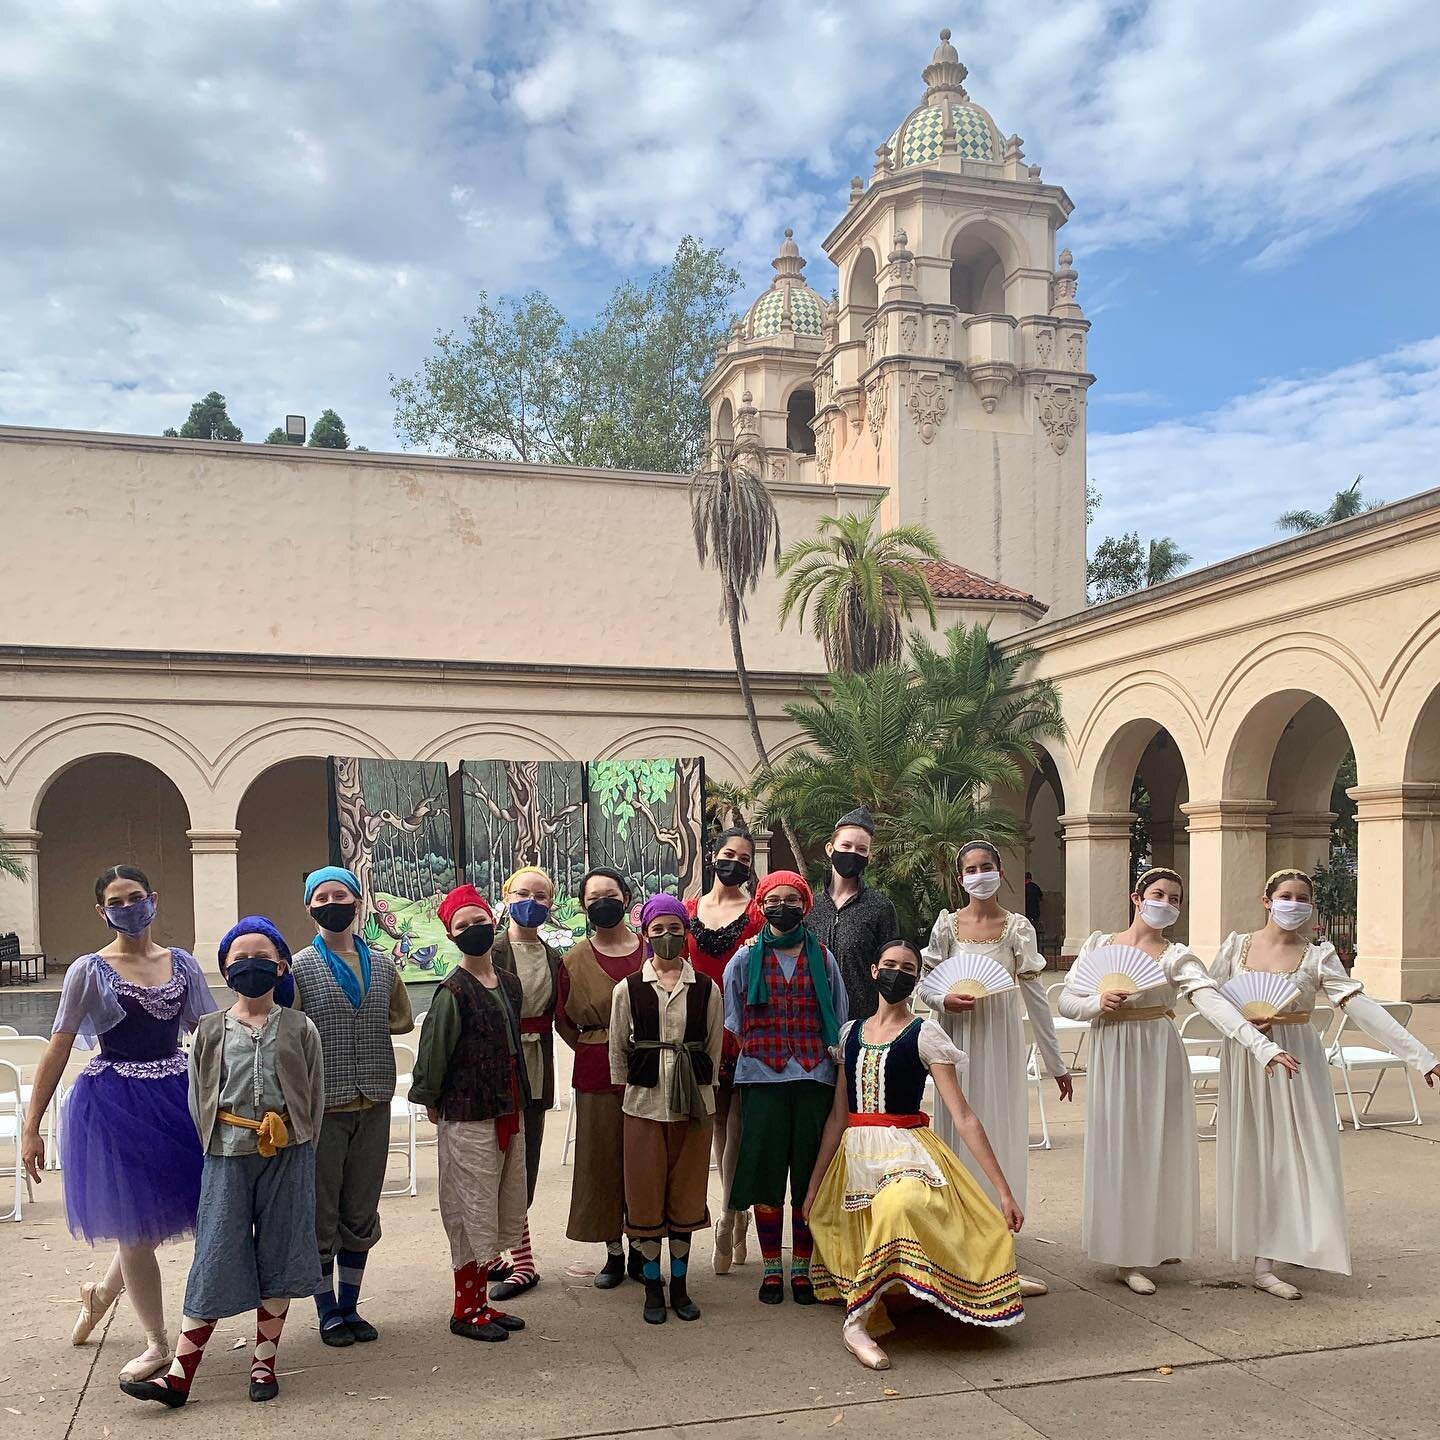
896, 1208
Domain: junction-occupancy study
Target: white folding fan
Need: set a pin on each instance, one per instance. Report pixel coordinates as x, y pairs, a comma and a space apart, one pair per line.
965, 974
1116, 967
1258, 996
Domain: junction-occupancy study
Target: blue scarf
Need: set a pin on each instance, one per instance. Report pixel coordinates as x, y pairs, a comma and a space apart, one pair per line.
355, 990
757, 992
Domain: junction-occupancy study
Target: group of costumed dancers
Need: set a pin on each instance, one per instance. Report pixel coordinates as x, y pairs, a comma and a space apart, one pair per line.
759, 1023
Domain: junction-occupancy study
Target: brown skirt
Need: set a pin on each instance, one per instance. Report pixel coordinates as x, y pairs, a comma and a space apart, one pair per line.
667, 1175
597, 1192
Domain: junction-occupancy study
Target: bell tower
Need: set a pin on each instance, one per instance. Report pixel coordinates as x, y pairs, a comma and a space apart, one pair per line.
954, 370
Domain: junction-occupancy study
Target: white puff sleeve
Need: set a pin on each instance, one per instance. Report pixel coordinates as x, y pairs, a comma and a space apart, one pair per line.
1227, 957
937, 1048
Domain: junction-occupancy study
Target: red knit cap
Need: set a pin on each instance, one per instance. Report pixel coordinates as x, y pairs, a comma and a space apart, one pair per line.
783, 877
458, 899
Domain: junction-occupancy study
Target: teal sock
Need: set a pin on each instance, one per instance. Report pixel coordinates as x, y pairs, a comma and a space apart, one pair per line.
679, 1256
650, 1254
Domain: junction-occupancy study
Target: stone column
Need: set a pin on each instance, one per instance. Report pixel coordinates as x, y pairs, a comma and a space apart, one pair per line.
1398, 928
1097, 875
1227, 869
1299, 840
20, 899
214, 857
762, 851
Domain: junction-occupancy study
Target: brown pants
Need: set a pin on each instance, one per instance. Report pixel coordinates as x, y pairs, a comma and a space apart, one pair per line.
597, 1192
667, 1175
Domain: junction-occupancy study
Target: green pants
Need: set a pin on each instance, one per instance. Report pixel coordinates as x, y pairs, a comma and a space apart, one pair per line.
780, 1129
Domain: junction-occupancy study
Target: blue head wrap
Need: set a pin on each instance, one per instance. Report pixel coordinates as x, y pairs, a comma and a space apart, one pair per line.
316, 878
259, 925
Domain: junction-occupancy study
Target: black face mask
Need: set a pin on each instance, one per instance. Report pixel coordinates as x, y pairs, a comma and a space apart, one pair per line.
606, 913
895, 985
783, 919
252, 977
476, 939
849, 863
732, 872
336, 917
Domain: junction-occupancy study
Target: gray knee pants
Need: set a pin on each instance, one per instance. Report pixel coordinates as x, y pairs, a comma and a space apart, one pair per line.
350, 1159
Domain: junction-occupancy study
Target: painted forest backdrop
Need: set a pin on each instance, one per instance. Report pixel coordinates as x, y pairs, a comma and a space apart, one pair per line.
411, 831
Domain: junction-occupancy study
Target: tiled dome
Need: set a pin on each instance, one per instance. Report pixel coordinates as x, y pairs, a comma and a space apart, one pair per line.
788, 292
919, 138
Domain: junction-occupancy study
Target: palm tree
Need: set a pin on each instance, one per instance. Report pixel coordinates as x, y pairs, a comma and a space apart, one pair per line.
861, 586
922, 745
10, 863
734, 519
1164, 561
1347, 503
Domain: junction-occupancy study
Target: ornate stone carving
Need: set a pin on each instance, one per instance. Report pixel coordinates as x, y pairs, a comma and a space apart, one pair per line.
1075, 350
940, 338
874, 339
824, 450
1067, 281
927, 403
778, 467
875, 406
1044, 345
824, 384
991, 379
1059, 415
901, 259
909, 333
857, 189
747, 418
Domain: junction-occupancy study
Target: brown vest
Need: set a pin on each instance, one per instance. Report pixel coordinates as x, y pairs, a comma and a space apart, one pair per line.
587, 1006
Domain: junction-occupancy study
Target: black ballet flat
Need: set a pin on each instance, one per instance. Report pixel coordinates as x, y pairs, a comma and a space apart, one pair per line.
772, 1290
681, 1303
264, 1389
338, 1337
149, 1390
511, 1323
509, 1289
469, 1330
611, 1274
362, 1331
802, 1292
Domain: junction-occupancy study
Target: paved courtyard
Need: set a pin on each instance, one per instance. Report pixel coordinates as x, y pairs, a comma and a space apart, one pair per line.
1359, 1356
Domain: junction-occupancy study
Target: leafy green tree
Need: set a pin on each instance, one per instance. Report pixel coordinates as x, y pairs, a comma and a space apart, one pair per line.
1127, 564
10, 863
923, 745
278, 437
328, 433
519, 382
859, 587
170, 433
209, 420
1346, 504
1093, 498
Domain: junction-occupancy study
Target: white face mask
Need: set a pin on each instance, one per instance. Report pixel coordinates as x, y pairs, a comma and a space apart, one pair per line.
1158, 915
982, 885
1290, 914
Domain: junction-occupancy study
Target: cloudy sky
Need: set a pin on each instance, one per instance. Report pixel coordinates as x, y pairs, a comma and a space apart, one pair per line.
284, 200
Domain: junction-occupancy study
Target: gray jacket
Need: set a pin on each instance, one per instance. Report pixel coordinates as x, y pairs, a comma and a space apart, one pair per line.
298, 1061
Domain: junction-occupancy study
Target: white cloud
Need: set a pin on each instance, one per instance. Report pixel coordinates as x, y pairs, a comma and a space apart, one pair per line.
1217, 482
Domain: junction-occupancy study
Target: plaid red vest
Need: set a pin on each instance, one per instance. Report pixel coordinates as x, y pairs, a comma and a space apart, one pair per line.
789, 1024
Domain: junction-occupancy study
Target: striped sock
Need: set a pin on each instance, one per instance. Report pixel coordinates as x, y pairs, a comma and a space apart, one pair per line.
269, 1322
679, 1256
650, 1254
522, 1257
769, 1233
802, 1247
350, 1268
469, 1290
189, 1352
326, 1306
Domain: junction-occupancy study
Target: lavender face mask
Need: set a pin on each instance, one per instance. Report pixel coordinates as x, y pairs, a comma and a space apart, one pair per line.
131, 919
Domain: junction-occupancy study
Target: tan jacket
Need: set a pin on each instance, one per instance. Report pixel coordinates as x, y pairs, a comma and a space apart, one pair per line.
299, 1064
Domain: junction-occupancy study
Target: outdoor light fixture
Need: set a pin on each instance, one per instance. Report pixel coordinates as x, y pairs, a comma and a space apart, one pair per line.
295, 429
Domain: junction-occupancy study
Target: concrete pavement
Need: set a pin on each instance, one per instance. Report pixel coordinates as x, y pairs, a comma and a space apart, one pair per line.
1208, 1355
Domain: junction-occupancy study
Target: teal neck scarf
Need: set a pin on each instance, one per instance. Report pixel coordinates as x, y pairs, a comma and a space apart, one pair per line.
355, 990
757, 992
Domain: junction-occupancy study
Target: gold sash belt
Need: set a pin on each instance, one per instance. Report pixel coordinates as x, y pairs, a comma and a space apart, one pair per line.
1140, 1012
1290, 1017
272, 1130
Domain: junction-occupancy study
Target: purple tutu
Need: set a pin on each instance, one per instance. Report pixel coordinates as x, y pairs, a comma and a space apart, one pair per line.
131, 1158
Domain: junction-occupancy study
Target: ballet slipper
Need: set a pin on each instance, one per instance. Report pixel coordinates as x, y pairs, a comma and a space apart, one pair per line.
862, 1347
1135, 1280
724, 1253
94, 1306
1272, 1284
1030, 1286
741, 1232
155, 1358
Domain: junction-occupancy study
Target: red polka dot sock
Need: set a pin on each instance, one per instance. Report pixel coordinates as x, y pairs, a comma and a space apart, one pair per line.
470, 1293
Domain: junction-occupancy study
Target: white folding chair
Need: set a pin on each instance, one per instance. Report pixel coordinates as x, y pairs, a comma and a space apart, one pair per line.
1034, 1076
1202, 1042
25, 1052
1321, 1018
401, 1109
1066, 1029
8, 1030
12, 1124
569, 1129
1372, 1058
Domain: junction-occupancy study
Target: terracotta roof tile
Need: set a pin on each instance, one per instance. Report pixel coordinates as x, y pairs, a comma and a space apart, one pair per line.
957, 582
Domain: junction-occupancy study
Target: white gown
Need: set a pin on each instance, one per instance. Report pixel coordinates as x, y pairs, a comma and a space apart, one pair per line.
1279, 1191
1142, 1165
993, 1037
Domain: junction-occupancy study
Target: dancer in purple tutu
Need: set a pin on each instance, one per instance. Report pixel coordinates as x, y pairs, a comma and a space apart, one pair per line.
130, 1155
